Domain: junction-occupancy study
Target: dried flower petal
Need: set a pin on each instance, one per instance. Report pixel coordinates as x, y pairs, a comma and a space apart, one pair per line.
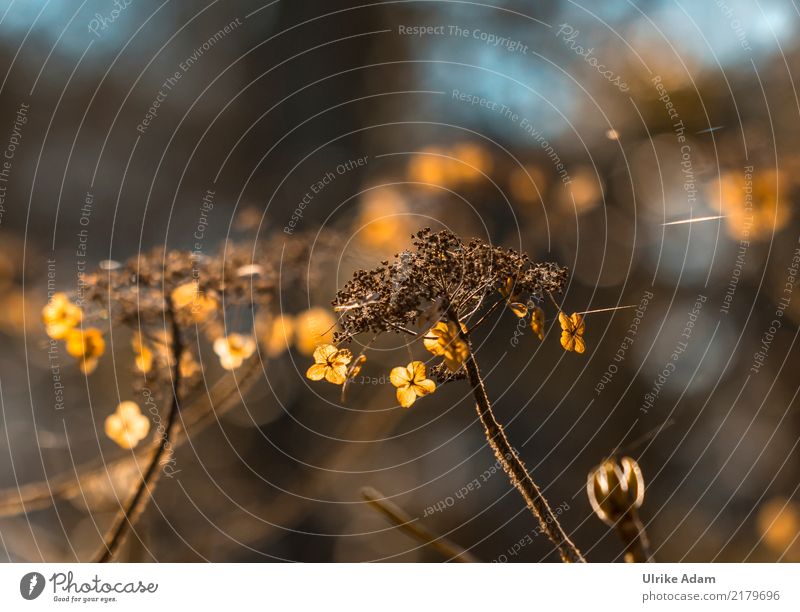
143, 356
127, 426
537, 322
233, 350
87, 346
509, 291
444, 340
411, 382
60, 316
330, 363
189, 298
572, 329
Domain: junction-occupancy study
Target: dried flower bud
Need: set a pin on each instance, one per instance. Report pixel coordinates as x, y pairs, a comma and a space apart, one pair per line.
615, 488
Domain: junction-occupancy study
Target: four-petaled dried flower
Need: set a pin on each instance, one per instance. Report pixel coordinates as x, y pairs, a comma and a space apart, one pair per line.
615, 489
444, 340
572, 328
60, 316
411, 382
511, 295
86, 345
537, 322
127, 426
233, 350
188, 297
330, 364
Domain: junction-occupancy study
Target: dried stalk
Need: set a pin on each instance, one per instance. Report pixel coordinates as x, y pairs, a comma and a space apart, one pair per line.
512, 464
128, 515
207, 408
634, 536
415, 529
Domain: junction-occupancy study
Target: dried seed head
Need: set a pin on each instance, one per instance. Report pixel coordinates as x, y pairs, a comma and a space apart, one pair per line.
615, 488
443, 273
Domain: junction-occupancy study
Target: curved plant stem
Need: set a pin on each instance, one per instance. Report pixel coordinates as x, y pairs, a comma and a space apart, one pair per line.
637, 545
204, 409
512, 464
415, 528
130, 512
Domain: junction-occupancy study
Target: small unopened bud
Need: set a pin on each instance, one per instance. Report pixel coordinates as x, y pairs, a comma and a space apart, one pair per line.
615, 488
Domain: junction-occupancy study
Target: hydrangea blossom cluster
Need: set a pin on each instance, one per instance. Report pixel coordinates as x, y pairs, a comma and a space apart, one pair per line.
450, 282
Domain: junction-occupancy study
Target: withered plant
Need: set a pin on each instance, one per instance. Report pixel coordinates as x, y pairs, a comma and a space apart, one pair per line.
458, 285
439, 292
173, 302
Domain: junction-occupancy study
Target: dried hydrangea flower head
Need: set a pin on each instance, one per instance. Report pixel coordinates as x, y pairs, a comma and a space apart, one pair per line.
62, 318
443, 273
448, 281
443, 277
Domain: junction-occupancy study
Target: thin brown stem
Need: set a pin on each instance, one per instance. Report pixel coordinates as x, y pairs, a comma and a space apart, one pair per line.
131, 511
458, 302
491, 309
513, 465
552, 299
415, 528
637, 545
410, 332
204, 409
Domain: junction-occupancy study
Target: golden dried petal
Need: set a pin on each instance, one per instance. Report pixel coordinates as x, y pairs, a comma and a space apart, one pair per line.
406, 396
424, 387
519, 309
336, 374
400, 376
323, 352
316, 371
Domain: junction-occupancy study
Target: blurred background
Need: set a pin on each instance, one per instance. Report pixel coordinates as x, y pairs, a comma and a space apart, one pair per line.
650, 147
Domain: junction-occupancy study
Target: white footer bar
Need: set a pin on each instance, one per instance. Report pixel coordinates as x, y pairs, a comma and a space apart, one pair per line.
400, 587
